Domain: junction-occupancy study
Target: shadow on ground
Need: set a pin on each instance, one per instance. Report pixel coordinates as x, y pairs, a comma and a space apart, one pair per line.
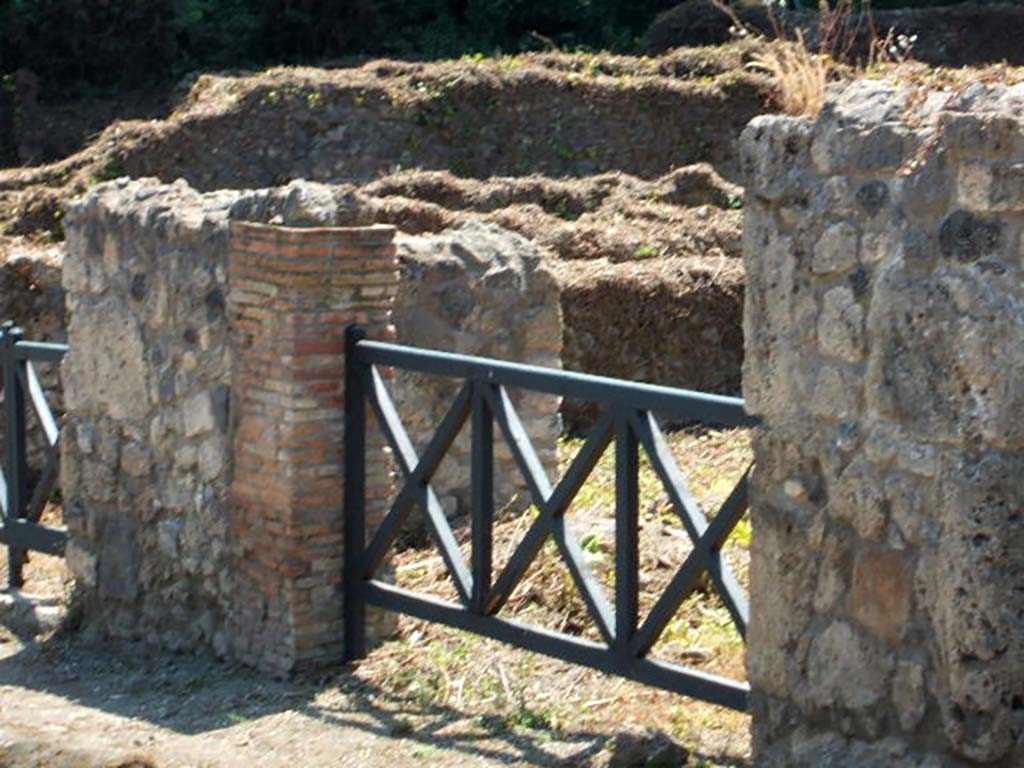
193, 695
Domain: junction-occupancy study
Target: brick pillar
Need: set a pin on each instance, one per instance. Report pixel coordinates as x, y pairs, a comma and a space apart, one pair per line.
293, 292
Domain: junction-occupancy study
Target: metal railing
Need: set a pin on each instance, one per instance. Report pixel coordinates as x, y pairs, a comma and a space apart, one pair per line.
483, 399
22, 507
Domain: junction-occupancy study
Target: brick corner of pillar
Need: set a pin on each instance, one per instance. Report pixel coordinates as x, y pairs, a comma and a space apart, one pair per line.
293, 293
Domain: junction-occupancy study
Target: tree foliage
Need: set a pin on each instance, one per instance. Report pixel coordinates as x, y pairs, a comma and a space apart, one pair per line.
108, 42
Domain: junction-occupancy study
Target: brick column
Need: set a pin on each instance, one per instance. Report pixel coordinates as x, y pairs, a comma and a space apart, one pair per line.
293, 292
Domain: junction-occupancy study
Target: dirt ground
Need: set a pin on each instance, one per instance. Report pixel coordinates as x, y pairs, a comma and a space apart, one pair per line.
80, 703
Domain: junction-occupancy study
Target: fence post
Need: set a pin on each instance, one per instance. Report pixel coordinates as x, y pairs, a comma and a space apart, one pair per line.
354, 513
15, 467
482, 477
627, 521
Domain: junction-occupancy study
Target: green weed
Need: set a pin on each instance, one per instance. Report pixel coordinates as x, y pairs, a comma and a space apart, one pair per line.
112, 169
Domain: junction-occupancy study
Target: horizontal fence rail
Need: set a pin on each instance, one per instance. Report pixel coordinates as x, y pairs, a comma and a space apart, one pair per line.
627, 422
22, 506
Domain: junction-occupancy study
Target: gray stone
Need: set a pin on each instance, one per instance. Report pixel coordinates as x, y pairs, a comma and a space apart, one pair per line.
167, 533
837, 249
940, 369
872, 196
926, 193
841, 325
908, 694
211, 459
773, 150
967, 237
844, 670
81, 563
199, 415
114, 382
976, 603
478, 290
857, 499
135, 459
838, 393
888, 460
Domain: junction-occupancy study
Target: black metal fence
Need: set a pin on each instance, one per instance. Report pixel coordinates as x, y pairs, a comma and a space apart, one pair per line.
483, 399
23, 505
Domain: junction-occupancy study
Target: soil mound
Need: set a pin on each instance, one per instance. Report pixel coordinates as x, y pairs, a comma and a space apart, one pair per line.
556, 115
620, 168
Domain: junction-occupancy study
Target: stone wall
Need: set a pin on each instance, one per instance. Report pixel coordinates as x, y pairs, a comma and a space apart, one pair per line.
195, 372
884, 344
478, 290
146, 445
31, 294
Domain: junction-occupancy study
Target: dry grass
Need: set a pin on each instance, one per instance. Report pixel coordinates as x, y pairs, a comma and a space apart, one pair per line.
802, 71
800, 74
430, 666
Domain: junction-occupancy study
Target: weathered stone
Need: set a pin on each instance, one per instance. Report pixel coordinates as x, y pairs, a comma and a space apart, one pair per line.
113, 383
976, 603
841, 325
908, 509
984, 186
844, 669
857, 499
967, 237
925, 195
834, 750
772, 149
908, 694
185, 457
167, 533
880, 594
914, 651
779, 616
832, 576
837, 393
939, 365
872, 196
135, 459
199, 417
81, 563
837, 249
478, 290
211, 459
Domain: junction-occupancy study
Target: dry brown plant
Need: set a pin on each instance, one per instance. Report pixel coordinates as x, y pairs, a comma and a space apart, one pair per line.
802, 70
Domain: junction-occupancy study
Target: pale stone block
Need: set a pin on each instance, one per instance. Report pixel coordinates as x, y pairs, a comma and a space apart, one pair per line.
837, 249
841, 325
198, 414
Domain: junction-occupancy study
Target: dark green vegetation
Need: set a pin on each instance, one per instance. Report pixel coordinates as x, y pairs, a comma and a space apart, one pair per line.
135, 41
